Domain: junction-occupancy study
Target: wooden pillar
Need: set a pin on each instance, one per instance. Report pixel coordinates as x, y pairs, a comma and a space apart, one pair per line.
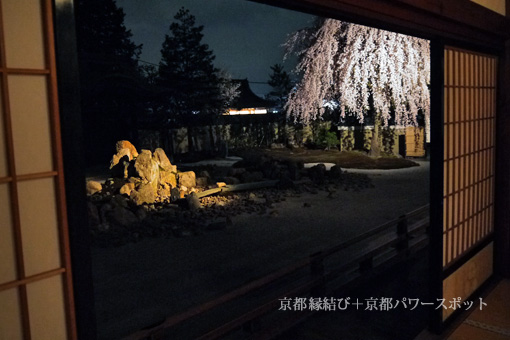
502, 239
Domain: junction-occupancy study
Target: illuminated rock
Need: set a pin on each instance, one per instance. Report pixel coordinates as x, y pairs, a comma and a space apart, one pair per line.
187, 179
127, 188
164, 190
124, 144
163, 161
147, 168
93, 187
145, 193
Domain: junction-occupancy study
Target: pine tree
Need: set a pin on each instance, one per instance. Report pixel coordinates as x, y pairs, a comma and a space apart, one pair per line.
186, 71
281, 85
109, 75
360, 70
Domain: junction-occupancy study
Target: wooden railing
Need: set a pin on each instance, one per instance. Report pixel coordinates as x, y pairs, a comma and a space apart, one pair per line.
391, 241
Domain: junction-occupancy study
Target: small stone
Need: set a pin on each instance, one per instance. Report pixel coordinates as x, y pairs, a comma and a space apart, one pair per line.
202, 181
122, 216
187, 179
335, 172
221, 184
175, 194
127, 188
93, 187
317, 173
164, 191
193, 202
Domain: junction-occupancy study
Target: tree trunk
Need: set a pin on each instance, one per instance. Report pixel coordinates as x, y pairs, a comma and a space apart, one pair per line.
375, 147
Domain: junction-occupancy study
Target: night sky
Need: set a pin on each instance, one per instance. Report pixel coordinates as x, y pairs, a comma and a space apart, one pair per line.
246, 37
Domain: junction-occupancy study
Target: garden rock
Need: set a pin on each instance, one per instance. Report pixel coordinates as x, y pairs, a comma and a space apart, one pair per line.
202, 181
175, 194
317, 173
161, 158
193, 202
187, 179
147, 168
127, 188
93, 187
122, 216
124, 144
335, 172
145, 193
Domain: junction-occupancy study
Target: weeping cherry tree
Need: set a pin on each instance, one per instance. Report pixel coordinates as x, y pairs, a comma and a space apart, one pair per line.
358, 69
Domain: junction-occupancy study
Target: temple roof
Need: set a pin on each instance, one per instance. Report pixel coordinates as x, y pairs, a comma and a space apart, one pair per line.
248, 99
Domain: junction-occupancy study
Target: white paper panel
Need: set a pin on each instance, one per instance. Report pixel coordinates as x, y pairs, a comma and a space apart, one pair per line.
10, 315
46, 309
24, 43
30, 123
39, 227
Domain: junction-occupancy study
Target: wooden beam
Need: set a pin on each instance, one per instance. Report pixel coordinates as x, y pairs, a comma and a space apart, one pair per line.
458, 20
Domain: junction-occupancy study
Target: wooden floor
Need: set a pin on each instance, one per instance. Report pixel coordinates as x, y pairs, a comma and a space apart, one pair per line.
490, 323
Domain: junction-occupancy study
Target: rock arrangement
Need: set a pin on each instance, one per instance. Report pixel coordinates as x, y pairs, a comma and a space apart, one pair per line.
148, 197
146, 177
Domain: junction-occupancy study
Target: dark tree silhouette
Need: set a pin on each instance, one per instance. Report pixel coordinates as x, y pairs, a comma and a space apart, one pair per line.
109, 76
192, 84
280, 81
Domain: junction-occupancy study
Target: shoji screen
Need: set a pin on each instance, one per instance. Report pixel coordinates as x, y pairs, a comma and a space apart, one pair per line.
35, 278
469, 165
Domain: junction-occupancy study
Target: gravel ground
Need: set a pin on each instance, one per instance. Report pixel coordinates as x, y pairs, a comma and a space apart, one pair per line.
139, 284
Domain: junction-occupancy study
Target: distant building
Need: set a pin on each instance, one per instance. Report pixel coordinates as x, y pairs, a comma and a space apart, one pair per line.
248, 103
